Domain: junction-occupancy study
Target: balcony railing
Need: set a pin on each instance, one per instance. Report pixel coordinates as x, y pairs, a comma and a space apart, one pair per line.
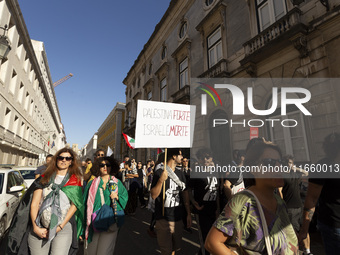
218, 70
182, 95
277, 29
9, 136
2, 133
17, 140
24, 144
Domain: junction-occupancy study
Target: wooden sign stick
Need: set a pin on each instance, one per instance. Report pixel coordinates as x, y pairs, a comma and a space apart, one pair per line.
165, 156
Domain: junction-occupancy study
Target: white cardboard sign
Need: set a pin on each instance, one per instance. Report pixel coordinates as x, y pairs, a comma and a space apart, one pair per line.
164, 125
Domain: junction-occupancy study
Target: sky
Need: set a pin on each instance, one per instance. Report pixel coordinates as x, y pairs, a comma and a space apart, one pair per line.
96, 41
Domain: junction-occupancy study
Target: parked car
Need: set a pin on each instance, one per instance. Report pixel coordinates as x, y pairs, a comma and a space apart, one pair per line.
27, 173
12, 187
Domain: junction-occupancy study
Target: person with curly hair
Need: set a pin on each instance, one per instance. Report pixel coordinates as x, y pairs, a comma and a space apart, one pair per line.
97, 193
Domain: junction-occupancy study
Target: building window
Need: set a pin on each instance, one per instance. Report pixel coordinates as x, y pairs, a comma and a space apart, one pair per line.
164, 53
214, 47
291, 140
15, 125
27, 101
13, 82
269, 11
163, 90
150, 95
138, 83
129, 118
7, 119
31, 108
150, 69
22, 129
183, 30
208, 2
21, 93
183, 73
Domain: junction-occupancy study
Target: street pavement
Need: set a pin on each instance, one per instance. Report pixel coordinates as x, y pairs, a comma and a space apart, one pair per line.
133, 238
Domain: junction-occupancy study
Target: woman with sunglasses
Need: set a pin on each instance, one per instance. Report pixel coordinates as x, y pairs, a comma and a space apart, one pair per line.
240, 226
51, 204
107, 187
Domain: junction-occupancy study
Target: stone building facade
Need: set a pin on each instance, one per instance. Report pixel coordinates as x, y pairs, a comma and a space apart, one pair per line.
30, 123
244, 39
110, 132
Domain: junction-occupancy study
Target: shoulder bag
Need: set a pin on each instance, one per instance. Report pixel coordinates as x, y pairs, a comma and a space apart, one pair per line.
264, 223
104, 217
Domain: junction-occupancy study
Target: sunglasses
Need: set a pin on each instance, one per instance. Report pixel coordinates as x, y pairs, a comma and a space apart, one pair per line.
100, 155
272, 162
61, 158
102, 165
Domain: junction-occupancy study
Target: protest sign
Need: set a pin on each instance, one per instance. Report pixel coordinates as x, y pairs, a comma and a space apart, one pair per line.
164, 125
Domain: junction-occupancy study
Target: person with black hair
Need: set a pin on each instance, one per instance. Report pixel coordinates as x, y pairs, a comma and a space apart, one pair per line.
98, 191
130, 185
151, 203
325, 190
41, 169
205, 197
141, 183
168, 211
255, 221
290, 193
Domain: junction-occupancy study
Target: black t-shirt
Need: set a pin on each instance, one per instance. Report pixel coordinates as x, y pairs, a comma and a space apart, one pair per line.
291, 190
173, 205
140, 175
205, 193
329, 200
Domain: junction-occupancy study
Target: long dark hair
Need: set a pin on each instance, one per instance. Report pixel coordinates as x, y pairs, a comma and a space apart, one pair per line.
95, 170
52, 166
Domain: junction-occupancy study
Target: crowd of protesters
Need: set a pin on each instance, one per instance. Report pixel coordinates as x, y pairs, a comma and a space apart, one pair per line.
236, 214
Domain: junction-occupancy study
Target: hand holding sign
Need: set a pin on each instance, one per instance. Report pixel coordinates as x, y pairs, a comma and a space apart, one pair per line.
164, 176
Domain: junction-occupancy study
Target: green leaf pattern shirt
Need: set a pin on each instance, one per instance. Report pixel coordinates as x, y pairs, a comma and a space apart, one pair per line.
241, 220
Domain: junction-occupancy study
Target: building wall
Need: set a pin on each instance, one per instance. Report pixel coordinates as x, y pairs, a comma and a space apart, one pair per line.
28, 109
110, 131
301, 43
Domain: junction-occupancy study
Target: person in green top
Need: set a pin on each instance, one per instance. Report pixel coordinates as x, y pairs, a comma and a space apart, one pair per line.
103, 242
239, 225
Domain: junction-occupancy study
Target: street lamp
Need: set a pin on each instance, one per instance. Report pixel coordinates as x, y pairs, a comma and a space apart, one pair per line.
4, 44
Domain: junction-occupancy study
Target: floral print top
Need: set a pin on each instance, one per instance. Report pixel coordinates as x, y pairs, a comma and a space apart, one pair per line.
241, 220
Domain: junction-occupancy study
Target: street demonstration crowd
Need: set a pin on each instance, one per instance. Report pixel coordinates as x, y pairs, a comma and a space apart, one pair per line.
236, 214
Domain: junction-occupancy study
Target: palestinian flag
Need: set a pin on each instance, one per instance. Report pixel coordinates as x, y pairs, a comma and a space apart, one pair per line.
129, 140
73, 190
